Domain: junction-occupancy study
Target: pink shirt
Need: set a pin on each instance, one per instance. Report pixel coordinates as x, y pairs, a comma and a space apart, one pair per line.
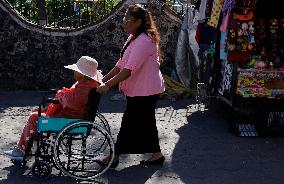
141, 57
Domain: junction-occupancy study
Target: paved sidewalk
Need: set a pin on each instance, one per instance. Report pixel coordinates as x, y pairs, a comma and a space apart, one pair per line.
198, 147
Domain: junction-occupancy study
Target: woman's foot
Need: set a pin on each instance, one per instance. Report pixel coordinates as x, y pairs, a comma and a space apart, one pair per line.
151, 162
114, 163
15, 154
156, 159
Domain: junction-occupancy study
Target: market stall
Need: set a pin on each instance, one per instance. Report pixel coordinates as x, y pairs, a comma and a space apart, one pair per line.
249, 59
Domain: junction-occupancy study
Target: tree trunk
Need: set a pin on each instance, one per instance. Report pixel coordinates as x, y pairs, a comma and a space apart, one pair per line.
42, 17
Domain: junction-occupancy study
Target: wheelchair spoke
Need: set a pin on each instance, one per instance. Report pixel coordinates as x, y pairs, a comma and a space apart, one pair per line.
80, 149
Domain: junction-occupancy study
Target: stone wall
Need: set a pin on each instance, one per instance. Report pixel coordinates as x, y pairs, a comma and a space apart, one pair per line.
32, 57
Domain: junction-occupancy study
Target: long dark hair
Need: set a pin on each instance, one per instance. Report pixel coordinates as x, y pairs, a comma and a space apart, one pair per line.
147, 26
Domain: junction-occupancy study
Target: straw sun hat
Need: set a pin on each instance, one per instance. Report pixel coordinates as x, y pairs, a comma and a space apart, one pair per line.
87, 66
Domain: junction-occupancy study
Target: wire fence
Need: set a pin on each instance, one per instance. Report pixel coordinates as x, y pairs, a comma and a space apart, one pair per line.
63, 13
73, 13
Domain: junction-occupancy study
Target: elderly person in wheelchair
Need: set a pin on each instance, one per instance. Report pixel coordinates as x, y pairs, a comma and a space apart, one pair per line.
73, 101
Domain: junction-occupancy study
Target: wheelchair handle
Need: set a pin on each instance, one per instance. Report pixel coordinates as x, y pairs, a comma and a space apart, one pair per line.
52, 100
39, 110
52, 91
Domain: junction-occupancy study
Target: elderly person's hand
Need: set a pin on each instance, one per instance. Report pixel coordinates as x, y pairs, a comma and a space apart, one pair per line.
103, 88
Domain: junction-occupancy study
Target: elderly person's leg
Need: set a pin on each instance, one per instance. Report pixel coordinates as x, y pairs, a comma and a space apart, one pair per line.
28, 132
26, 137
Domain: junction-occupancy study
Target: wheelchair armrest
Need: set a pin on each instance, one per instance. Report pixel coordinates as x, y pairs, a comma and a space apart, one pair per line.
52, 91
46, 101
52, 100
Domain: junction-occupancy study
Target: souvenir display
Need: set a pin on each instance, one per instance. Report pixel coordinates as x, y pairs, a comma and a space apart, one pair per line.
241, 42
260, 83
250, 47
248, 72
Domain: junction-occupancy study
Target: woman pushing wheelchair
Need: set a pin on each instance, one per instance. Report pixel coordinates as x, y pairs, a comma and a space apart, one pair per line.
140, 79
73, 102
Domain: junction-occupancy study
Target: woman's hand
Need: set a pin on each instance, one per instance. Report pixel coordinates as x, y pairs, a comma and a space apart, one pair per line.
121, 76
103, 88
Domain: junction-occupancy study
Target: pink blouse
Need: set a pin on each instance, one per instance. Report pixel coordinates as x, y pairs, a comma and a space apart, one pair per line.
141, 57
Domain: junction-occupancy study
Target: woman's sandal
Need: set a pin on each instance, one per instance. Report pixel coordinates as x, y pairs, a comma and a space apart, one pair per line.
114, 164
159, 161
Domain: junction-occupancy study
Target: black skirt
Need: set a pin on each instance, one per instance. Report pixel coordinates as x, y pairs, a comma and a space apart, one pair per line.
138, 133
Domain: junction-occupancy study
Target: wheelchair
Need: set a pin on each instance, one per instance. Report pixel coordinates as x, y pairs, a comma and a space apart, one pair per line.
80, 148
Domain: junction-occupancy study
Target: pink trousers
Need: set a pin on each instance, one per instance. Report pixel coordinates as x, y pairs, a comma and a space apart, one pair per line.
29, 131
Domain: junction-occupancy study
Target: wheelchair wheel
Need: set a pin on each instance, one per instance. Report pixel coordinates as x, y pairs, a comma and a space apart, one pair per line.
83, 150
45, 150
19, 162
101, 120
41, 169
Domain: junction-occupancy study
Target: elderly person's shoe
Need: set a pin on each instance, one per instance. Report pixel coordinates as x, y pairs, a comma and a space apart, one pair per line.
15, 154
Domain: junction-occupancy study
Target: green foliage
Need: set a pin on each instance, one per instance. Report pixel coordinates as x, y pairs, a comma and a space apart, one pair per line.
27, 8
65, 13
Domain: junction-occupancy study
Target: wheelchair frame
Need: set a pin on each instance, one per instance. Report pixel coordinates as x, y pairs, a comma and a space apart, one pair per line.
63, 142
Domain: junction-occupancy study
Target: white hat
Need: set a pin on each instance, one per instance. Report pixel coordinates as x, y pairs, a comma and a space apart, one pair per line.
87, 66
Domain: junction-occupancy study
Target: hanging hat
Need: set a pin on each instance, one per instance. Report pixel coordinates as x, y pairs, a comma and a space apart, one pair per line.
87, 66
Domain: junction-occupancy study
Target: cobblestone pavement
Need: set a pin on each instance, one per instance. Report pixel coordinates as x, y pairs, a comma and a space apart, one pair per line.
198, 147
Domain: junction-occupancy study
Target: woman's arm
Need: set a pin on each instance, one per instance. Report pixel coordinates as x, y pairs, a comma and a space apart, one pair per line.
121, 76
111, 74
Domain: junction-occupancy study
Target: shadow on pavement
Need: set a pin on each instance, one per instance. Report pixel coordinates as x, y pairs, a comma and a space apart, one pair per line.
178, 104
208, 153
20, 98
21, 174
127, 176
18, 174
